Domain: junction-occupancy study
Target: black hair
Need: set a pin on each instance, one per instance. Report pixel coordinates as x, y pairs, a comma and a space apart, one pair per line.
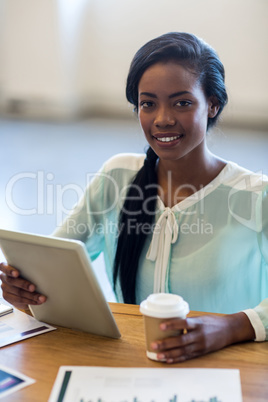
201, 59
131, 238
189, 51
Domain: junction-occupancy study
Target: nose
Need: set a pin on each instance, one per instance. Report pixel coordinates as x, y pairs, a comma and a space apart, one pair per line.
164, 117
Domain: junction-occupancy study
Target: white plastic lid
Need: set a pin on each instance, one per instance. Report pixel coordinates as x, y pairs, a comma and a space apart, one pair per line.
164, 305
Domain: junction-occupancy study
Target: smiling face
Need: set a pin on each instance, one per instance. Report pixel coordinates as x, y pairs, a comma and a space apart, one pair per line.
173, 111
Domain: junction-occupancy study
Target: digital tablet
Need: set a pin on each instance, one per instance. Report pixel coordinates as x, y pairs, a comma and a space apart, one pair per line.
62, 271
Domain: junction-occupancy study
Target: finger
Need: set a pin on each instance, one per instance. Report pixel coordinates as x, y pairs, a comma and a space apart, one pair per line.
21, 288
178, 324
180, 355
21, 301
9, 270
16, 295
180, 348
179, 341
18, 283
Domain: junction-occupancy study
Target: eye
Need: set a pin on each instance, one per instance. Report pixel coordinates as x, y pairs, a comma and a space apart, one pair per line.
146, 104
183, 103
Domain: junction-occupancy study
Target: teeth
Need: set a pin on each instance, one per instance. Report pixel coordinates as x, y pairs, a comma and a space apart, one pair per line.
168, 139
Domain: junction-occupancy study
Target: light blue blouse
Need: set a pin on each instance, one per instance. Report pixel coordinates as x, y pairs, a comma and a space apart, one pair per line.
211, 248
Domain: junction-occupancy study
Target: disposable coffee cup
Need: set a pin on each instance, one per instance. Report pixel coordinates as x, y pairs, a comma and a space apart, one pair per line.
158, 308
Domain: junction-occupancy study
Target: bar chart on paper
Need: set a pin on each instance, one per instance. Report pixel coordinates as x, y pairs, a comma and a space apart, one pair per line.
106, 384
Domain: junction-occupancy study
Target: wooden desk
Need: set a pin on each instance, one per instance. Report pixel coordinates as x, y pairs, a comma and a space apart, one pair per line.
40, 357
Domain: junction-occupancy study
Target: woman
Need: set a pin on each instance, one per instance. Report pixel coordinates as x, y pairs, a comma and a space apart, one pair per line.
181, 219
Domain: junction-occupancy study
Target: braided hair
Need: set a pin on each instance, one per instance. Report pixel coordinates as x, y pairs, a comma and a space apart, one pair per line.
130, 242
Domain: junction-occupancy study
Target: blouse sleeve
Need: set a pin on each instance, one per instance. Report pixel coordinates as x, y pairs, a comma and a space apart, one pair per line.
262, 223
83, 222
259, 315
259, 320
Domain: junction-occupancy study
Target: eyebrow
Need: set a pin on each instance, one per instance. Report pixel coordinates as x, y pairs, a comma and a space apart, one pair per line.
151, 95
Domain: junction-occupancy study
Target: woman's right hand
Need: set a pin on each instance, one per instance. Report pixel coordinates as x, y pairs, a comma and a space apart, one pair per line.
17, 290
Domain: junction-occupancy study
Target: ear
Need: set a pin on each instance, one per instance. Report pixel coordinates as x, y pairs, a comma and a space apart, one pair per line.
213, 106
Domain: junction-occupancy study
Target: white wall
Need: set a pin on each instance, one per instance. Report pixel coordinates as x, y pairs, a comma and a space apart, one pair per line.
31, 43
83, 63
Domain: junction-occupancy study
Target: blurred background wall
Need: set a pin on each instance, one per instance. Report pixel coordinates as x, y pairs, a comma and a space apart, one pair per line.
68, 58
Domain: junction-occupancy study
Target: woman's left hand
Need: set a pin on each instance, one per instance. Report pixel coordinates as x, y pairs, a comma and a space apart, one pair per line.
204, 334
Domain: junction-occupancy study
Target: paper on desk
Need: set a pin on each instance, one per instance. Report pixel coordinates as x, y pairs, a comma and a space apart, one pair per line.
105, 384
11, 381
18, 326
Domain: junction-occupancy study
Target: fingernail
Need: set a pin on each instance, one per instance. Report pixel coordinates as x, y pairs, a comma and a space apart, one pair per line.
31, 288
163, 326
169, 361
154, 346
161, 356
14, 273
41, 299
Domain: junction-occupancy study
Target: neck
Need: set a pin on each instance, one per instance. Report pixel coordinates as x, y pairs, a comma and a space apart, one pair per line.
178, 179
